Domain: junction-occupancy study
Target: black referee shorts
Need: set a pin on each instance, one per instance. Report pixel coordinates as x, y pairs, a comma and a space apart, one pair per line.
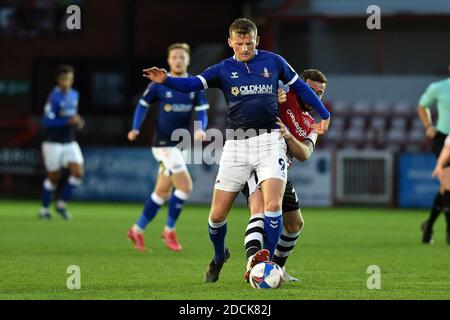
438, 143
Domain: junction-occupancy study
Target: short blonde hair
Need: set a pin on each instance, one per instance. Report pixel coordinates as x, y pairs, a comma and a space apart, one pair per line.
183, 46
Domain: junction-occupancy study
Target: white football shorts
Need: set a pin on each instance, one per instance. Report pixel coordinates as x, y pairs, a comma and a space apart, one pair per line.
172, 160
58, 155
265, 154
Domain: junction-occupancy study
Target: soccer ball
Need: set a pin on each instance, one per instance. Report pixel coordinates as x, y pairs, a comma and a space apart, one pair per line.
266, 275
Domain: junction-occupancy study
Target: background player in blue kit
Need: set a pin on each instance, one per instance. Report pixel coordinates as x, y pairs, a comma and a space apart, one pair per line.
175, 111
60, 149
249, 81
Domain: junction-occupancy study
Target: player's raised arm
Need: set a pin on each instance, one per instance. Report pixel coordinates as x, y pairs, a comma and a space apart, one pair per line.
188, 84
206, 79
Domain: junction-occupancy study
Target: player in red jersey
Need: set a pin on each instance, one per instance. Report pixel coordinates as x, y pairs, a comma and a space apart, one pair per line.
297, 128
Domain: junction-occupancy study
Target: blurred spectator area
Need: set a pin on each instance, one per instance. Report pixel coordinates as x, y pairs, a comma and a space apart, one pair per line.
388, 125
375, 76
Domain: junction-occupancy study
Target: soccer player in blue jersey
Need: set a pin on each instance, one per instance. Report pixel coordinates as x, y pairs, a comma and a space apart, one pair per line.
175, 111
60, 148
249, 81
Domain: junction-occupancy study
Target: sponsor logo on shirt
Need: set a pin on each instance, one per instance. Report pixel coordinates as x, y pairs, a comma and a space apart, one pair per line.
252, 89
177, 107
300, 131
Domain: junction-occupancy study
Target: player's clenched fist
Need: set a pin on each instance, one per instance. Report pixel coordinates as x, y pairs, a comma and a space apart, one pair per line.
132, 135
430, 132
155, 74
321, 127
199, 135
77, 121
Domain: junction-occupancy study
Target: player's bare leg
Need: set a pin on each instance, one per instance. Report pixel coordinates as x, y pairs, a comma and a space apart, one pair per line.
49, 187
254, 235
183, 186
221, 205
159, 196
273, 190
293, 224
76, 172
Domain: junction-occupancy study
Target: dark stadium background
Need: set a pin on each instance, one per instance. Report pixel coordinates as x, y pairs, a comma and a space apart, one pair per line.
375, 80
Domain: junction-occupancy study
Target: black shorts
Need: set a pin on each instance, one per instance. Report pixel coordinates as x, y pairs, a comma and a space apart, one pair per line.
290, 198
438, 143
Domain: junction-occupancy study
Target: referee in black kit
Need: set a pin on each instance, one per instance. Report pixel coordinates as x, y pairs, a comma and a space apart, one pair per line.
437, 93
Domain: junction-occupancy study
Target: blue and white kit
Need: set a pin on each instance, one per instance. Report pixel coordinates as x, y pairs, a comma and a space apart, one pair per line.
60, 146
174, 112
250, 89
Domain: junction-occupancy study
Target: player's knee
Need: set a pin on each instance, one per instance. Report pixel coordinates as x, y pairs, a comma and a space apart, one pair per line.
272, 205
216, 217
294, 227
217, 214
163, 194
79, 174
183, 183
53, 178
187, 188
254, 205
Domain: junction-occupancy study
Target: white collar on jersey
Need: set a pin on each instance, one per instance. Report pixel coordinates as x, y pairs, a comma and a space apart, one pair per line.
256, 53
183, 76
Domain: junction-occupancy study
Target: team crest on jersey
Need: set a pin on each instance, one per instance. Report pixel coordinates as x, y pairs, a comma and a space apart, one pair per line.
234, 91
266, 73
169, 94
234, 75
168, 107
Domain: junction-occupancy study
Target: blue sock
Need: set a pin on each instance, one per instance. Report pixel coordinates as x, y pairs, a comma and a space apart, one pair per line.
217, 232
176, 202
70, 186
151, 208
47, 192
273, 226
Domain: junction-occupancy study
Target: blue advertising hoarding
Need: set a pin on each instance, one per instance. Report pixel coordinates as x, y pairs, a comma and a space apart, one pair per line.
117, 174
416, 188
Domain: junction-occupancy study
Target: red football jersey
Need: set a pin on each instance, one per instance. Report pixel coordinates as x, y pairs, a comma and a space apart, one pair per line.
297, 121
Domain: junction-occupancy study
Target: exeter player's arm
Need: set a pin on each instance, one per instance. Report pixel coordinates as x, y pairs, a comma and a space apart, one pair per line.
301, 150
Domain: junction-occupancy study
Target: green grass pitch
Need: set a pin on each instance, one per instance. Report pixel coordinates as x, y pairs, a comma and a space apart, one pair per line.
331, 259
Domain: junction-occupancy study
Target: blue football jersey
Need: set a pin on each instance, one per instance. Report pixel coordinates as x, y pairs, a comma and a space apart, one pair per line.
250, 88
60, 107
175, 110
